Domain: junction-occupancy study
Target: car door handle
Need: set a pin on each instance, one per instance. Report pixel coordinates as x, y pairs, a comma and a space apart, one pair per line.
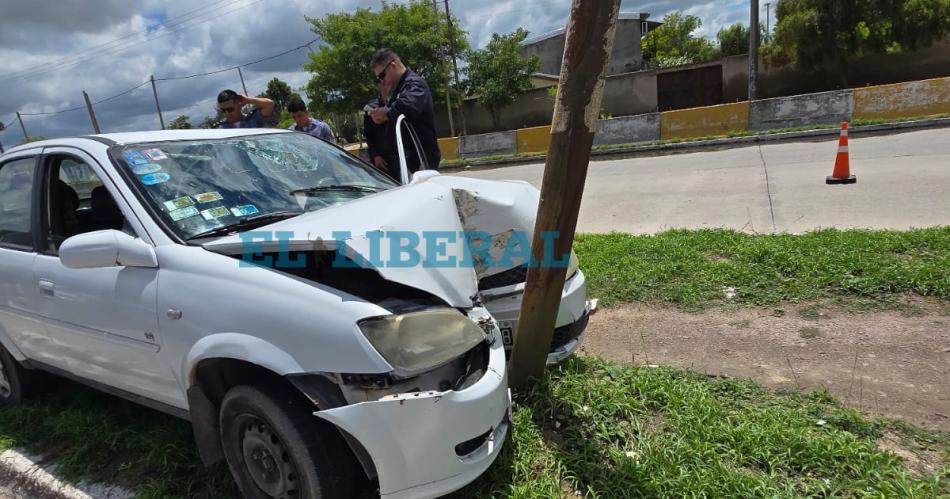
47, 287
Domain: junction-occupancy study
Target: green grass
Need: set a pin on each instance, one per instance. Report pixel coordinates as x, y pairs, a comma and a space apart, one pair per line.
604, 429
692, 268
617, 431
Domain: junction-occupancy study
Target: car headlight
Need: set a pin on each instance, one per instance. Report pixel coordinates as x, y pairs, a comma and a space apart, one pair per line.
573, 266
420, 341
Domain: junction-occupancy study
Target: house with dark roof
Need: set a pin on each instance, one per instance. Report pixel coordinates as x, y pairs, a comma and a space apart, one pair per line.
626, 56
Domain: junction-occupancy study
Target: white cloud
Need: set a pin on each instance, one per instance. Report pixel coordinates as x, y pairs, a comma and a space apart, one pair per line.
48, 39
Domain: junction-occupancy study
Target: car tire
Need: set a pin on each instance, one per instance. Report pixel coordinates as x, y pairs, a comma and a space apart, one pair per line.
276, 448
16, 382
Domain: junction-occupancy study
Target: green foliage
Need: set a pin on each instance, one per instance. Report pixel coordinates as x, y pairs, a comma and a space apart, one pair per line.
498, 73
31, 138
825, 34
733, 40
279, 92
208, 121
180, 123
674, 44
342, 81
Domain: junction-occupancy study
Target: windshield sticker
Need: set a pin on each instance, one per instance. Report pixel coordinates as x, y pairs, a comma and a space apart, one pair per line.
155, 178
184, 213
146, 168
246, 210
177, 204
208, 197
135, 158
215, 213
155, 154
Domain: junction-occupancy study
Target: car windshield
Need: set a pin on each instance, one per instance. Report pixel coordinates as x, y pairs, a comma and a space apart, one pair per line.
206, 188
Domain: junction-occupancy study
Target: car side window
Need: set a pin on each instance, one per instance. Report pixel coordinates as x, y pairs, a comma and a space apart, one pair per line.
77, 202
16, 188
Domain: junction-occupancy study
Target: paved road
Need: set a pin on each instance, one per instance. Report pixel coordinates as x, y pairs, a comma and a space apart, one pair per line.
903, 182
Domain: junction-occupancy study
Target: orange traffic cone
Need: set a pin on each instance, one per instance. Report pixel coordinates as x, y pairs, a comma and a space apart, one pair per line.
842, 172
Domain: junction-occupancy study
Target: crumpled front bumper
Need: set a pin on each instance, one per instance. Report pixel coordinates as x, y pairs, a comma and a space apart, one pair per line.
412, 437
505, 305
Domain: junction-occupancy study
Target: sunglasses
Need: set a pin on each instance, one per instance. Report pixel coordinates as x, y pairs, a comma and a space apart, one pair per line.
382, 75
227, 110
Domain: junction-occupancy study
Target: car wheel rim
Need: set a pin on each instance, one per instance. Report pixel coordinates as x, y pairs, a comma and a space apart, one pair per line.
267, 461
4, 381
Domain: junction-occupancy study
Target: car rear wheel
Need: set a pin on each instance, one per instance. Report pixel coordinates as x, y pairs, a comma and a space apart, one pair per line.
15, 381
276, 448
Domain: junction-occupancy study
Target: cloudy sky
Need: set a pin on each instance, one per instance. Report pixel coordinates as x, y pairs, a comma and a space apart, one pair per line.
51, 50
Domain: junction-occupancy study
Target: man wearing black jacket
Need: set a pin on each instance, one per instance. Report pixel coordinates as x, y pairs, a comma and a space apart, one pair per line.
410, 95
378, 144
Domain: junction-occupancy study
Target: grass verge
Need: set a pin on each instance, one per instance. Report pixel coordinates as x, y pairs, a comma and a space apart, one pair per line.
693, 268
593, 427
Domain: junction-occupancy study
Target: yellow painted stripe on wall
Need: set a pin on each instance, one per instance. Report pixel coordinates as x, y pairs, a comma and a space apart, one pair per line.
533, 139
449, 148
704, 121
903, 100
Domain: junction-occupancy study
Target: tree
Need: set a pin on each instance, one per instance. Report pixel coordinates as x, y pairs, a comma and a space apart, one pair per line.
817, 35
209, 121
342, 81
733, 40
180, 123
32, 138
279, 92
498, 73
673, 43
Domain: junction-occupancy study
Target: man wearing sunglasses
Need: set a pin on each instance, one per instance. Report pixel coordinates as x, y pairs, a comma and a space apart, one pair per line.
409, 95
230, 104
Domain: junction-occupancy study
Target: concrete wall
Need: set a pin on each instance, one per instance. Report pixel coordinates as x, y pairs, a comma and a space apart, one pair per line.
827, 108
550, 51
628, 130
534, 139
735, 78
704, 121
917, 98
626, 55
630, 93
449, 148
488, 144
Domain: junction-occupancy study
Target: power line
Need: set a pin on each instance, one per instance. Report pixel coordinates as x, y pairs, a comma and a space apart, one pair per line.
124, 48
170, 23
146, 82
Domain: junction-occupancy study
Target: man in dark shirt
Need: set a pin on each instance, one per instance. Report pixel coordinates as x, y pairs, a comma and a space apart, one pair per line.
230, 104
410, 96
380, 150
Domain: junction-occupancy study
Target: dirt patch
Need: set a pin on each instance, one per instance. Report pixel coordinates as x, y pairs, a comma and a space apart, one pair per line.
882, 363
922, 462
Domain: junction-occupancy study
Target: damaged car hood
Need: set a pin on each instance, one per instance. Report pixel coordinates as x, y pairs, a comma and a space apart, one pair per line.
446, 205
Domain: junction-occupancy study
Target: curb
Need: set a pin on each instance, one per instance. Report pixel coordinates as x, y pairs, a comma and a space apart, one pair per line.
719, 143
20, 476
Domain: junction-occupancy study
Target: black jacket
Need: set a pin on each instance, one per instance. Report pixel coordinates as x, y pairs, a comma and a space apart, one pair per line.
413, 98
378, 142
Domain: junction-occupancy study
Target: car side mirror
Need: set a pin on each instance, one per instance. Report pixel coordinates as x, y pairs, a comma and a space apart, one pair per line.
423, 175
106, 248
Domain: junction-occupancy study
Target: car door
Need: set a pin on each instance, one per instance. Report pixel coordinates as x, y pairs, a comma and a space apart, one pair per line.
21, 328
106, 316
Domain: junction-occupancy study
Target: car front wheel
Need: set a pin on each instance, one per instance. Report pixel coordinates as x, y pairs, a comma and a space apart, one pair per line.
15, 381
276, 448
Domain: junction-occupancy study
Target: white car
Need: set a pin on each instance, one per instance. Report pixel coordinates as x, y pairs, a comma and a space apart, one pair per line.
235, 278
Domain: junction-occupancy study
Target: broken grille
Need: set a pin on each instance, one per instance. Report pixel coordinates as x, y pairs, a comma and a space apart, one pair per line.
509, 277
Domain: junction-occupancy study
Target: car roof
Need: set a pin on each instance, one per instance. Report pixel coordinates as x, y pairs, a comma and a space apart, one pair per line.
152, 136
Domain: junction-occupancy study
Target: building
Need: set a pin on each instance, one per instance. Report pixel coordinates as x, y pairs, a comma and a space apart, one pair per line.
625, 57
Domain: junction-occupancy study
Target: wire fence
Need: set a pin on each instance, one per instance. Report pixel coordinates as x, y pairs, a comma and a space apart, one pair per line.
16, 120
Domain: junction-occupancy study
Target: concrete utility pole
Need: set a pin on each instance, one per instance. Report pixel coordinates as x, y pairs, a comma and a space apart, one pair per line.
448, 83
768, 19
455, 63
22, 127
754, 51
157, 106
589, 40
92, 112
